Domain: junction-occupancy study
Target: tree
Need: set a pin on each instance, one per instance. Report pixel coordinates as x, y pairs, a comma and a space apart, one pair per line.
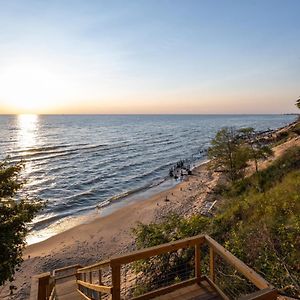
298, 103
228, 154
257, 150
15, 213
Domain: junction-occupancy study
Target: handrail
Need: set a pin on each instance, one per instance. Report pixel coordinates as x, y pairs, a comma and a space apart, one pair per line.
157, 250
96, 287
95, 267
265, 294
249, 273
67, 268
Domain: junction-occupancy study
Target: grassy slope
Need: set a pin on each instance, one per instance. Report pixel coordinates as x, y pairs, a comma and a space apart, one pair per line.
259, 222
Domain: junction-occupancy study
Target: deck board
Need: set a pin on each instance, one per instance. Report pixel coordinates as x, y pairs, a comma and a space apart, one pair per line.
66, 289
202, 291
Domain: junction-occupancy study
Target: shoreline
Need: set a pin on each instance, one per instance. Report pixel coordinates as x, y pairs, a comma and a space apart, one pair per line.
109, 206
159, 199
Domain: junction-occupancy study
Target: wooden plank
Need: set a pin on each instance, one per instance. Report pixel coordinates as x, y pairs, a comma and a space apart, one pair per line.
212, 264
95, 267
53, 294
265, 294
83, 295
116, 281
216, 288
100, 276
166, 290
43, 286
95, 287
67, 268
157, 250
255, 278
65, 276
34, 290
198, 261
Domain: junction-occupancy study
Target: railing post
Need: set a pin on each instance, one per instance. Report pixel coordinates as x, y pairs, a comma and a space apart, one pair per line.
198, 262
212, 264
100, 282
116, 281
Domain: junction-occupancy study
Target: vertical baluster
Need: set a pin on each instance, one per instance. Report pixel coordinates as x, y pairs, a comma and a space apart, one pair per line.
100, 281
116, 279
212, 264
198, 262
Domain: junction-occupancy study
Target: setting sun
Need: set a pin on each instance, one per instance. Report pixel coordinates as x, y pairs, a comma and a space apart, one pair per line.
30, 87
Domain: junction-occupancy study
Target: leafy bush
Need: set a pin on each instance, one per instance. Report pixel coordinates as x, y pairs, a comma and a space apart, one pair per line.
173, 266
14, 214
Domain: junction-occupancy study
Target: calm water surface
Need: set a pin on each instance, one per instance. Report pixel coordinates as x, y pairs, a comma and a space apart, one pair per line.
83, 161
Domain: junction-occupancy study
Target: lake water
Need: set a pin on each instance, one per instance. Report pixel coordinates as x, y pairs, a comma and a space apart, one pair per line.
78, 162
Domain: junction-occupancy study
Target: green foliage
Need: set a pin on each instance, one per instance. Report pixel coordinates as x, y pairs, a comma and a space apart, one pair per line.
269, 177
256, 149
298, 103
227, 153
14, 214
263, 230
172, 229
296, 128
231, 150
166, 267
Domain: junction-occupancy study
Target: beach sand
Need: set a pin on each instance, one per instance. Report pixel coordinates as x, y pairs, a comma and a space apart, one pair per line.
112, 234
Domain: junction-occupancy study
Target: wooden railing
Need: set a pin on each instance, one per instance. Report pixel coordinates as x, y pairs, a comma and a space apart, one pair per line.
43, 285
113, 288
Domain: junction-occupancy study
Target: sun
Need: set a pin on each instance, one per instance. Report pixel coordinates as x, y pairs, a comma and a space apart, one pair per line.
29, 87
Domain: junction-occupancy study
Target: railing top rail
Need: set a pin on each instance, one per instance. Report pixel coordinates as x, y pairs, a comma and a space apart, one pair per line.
67, 268
95, 267
157, 250
249, 273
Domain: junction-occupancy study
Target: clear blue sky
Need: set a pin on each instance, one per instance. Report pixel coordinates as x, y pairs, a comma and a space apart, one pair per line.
149, 56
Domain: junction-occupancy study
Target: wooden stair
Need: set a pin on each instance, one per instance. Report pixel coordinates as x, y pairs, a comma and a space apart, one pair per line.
66, 288
201, 291
110, 279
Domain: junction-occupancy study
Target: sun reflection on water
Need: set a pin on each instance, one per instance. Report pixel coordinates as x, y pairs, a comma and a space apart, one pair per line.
28, 127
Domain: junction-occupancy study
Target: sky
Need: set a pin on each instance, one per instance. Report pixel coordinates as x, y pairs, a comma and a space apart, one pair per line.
148, 56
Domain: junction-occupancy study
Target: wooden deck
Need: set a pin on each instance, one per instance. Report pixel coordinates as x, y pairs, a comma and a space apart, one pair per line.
66, 289
202, 291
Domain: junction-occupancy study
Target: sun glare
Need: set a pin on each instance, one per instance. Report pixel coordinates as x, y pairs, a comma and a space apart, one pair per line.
29, 87
28, 126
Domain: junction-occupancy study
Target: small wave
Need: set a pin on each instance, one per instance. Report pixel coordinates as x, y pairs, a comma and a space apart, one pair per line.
128, 193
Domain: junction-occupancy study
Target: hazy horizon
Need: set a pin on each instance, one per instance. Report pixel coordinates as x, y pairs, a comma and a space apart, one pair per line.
149, 57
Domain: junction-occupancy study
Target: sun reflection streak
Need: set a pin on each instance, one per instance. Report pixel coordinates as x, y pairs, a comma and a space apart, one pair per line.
28, 127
